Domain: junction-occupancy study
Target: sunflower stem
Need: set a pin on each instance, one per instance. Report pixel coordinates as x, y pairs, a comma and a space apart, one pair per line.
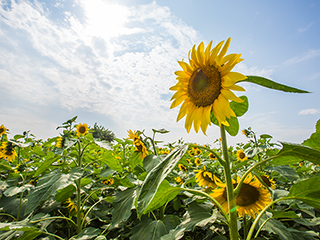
230, 191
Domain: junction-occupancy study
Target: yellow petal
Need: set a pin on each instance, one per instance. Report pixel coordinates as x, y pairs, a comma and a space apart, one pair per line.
206, 119
194, 56
178, 101
183, 110
224, 49
225, 107
215, 51
178, 94
236, 88
229, 65
207, 53
227, 58
230, 95
186, 67
232, 77
200, 53
181, 74
189, 119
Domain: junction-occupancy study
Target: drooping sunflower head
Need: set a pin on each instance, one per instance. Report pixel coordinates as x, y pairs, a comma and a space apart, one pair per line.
241, 156
3, 130
205, 84
251, 199
133, 135
7, 151
60, 142
205, 178
140, 147
82, 129
268, 181
108, 182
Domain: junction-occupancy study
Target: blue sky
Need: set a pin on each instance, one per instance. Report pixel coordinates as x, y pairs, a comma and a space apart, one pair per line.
112, 62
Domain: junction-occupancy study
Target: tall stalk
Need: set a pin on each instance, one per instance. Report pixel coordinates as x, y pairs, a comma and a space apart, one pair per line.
230, 191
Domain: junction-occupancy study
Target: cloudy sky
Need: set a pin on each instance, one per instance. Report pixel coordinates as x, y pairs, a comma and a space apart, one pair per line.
112, 62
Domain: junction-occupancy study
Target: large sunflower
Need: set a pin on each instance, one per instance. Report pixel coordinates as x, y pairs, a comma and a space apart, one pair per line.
82, 129
251, 198
241, 156
205, 84
205, 178
7, 151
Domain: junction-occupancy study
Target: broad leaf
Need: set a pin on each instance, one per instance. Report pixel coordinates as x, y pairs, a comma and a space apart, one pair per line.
104, 144
155, 177
162, 131
314, 140
49, 159
64, 193
49, 185
15, 190
308, 221
240, 108
122, 205
292, 153
87, 233
282, 214
271, 84
307, 191
164, 194
112, 162
150, 161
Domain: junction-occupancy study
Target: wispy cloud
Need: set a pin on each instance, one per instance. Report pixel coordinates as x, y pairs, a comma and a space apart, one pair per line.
312, 53
309, 111
303, 29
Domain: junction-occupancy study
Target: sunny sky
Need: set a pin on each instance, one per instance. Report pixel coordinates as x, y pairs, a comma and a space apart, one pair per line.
113, 62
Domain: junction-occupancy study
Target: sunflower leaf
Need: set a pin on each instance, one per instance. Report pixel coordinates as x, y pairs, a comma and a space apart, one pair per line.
233, 129
307, 191
154, 178
240, 108
314, 140
292, 153
271, 84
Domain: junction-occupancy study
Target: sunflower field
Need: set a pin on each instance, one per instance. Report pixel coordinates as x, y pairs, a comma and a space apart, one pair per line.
87, 184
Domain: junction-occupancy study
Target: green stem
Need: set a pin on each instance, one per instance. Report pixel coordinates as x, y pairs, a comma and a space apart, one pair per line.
237, 189
260, 215
49, 218
5, 214
230, 191
53, 235
197, 192
20, 205
79, 225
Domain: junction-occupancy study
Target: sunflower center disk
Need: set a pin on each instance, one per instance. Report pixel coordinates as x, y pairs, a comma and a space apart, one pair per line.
82, 129
204, 86
247, 196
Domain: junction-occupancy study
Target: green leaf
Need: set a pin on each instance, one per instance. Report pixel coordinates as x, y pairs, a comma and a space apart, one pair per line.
15, 190
282, 214
87, 233
85, 181
122, 205
164, 194
286, 171
64, 193
277, 227
49, 159
265, 136
48, 186
30, 232
5, 165
271, 84
314, 140
150, 161
292, 153
240, 108
162, 131
307, 191
233, 127
104, 144
308, 221
152, 229
38, 151
112, 162
155, 177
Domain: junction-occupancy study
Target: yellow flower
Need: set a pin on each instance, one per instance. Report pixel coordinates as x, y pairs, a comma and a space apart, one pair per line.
138, 143
191, 153
206, 178
108, 182
197, 151
60, 142
251, 199
205, 84
241, 156
7, 151
212, 156
82, 129
188, 160
3, 130
268, 181
197, 161
178, 180
182, 167
72, 207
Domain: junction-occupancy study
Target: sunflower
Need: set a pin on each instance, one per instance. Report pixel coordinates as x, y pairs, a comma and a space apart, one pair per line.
72, 206
197, 151
3, 130
241, 156
178, 180
138, 143
7, 151
182, 167
251, 198
197, 161
268, 181
82, 129
205, 84
60, 142
108, 182
205, 178
212, 156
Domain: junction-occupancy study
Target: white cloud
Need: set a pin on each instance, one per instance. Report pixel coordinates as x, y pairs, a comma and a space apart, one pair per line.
309, 111
312, 53
303, 29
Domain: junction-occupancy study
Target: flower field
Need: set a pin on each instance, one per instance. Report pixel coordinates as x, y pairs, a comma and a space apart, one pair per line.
75, 186
87, 184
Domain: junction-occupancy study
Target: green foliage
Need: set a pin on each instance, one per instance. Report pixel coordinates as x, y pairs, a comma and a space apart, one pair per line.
101, 133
